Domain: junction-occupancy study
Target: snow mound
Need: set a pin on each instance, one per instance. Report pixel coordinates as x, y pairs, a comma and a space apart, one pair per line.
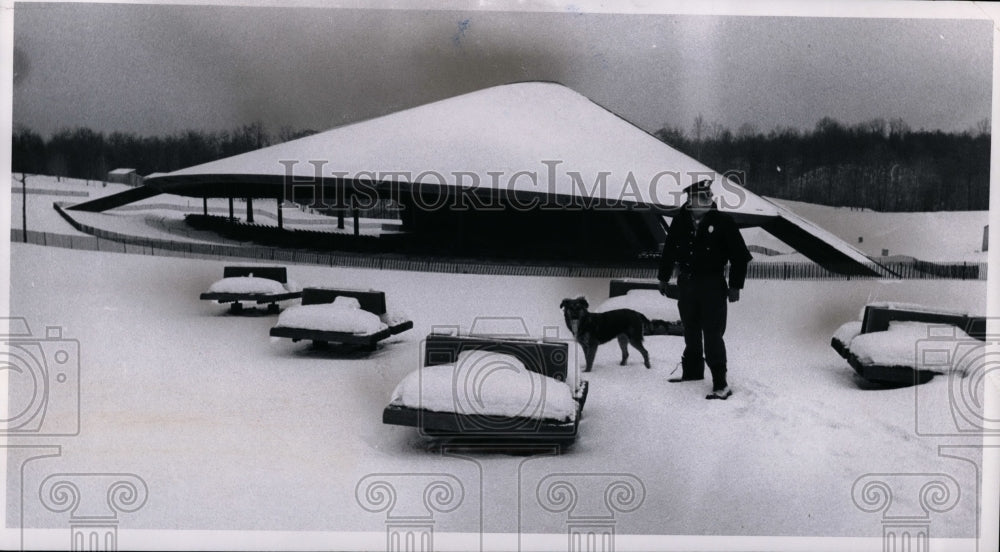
332, 317
248, 285
899, 345
394, 318
344, 302
848, 332
647, 301
486, 383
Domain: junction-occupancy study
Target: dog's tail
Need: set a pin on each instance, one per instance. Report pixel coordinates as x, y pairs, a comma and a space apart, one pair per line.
647, 325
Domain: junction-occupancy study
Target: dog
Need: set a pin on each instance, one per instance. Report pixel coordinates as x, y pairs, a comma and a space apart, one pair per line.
592, 329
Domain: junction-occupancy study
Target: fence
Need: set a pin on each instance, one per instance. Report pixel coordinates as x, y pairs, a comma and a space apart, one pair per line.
104, 240
15, 190
913, 270
118, 243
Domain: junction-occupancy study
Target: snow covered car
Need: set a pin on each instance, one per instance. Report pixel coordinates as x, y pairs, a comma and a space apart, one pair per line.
356, 317
491, 388
643, 296
252, 284
907, 344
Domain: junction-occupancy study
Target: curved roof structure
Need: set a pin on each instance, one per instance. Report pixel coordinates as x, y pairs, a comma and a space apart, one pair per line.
525, 140
530, 137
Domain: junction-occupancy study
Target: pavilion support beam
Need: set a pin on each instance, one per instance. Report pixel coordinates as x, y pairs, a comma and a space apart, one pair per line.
204, 205
280, 222
231, 216
250, 210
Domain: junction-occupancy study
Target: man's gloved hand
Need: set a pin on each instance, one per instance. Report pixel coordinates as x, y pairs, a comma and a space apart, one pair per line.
734, 295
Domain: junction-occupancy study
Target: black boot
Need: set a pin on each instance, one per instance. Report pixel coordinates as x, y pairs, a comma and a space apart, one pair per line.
682, 378
721, 394
690, 371
720, 388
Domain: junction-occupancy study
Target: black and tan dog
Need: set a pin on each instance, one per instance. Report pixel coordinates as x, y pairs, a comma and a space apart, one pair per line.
592, 329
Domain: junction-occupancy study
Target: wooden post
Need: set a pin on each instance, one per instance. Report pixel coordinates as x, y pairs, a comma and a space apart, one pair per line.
340, 218
231, 217
250, 209
280, 222
204, 205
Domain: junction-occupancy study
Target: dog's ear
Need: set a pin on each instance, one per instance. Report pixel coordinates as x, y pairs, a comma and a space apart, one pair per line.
583, 301
563, 304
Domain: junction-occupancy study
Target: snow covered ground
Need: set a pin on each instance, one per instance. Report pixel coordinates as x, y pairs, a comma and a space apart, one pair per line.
232, 429
947, 236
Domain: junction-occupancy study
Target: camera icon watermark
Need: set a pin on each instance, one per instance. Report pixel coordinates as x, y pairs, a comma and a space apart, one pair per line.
906, 523
43, 380
94, 502
969, 360
496, 380
410, 502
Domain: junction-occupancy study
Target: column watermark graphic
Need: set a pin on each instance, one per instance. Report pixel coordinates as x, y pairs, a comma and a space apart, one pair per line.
591, 503
94, 502
969, 359
43, 416
906, 502
410, 502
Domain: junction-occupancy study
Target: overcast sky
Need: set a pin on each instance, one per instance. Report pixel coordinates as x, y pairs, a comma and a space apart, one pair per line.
161, 69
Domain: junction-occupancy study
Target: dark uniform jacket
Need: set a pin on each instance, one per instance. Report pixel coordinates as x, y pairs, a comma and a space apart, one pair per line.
703, 252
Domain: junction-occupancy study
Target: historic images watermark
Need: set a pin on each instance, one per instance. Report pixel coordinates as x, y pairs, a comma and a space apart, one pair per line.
968, 359
906, 502
497, 385
544, 187
588, 505
411, 502
955, 409
93, 501
43, 381
43, 397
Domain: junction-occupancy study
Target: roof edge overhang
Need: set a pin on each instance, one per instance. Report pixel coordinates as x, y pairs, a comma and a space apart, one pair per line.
338, 192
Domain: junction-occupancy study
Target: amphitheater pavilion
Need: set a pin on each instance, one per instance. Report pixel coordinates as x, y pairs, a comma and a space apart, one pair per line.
529, 166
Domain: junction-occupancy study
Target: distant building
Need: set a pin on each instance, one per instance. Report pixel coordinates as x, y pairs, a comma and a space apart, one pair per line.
125, 176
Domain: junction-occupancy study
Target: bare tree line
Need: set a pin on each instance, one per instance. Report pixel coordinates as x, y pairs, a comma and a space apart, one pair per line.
86, 154
877, 164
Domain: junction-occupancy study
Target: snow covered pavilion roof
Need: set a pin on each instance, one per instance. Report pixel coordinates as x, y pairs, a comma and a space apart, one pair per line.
529, 141
528, 138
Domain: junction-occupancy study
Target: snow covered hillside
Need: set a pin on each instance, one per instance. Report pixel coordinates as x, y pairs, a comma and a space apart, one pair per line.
945, 236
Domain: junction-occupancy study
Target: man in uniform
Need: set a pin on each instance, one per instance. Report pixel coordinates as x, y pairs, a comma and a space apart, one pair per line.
700, 241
